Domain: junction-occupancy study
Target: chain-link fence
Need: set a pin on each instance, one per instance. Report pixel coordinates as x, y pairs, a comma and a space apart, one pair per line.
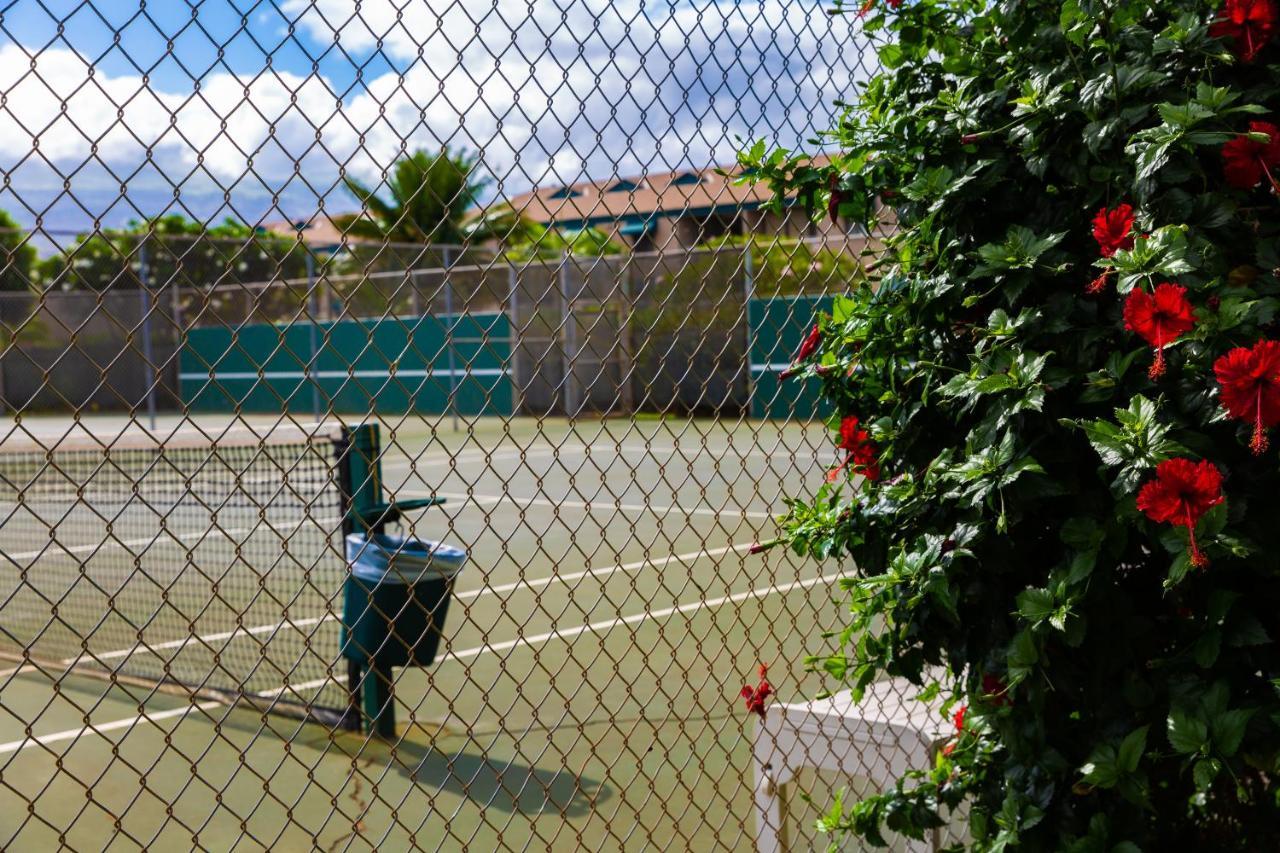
303, 299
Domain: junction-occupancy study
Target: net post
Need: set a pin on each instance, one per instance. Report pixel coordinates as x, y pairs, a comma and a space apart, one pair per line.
360, 472
379, 701
360, 466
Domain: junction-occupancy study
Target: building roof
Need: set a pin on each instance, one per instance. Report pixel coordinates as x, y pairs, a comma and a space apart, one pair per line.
318, 230
675, 193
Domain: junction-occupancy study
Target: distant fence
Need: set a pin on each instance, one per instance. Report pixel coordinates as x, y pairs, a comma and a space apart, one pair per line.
689, 331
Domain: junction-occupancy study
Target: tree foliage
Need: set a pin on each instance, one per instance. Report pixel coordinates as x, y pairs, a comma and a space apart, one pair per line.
171, 250
1118, 697
17, 255
430, 196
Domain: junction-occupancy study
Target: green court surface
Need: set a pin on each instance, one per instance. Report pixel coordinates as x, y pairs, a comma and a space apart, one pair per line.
586, 693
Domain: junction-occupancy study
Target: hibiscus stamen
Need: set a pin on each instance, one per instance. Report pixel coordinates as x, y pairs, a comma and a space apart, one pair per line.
1266, 170
1198, 559
1157, 367
1099, 284
1258, 444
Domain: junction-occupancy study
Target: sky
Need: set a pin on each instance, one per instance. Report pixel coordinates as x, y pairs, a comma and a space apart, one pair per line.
255, 108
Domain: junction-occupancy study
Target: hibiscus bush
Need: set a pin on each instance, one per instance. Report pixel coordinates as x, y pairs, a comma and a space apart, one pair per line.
1054, 491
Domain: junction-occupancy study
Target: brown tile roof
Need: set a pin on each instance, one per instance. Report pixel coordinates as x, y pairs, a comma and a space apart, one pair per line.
664, 193
319, 231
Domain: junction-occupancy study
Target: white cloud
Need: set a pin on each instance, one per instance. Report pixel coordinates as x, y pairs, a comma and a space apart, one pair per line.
547, 91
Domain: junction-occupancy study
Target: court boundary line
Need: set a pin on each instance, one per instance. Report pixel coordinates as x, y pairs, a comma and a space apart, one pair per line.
605, 626
590, 506
111, 725
167, 537
87, 659
476, 454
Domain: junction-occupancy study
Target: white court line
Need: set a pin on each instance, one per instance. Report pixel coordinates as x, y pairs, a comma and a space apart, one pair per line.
415, 373
207, 638
57, 550
97, 728
18, 670
594, 627
717, 454
589, 505
164, 537
536, 639
151, 648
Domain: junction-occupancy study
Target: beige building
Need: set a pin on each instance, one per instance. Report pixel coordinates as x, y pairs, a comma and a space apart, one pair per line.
654, 211
316, 230
667, 210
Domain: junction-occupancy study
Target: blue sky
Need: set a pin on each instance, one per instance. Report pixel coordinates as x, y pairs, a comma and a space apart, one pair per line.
252, 109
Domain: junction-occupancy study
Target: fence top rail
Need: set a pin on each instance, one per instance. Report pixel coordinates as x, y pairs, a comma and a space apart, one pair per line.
666, 257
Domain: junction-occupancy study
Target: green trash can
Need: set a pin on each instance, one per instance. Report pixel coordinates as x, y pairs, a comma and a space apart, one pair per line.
395, 601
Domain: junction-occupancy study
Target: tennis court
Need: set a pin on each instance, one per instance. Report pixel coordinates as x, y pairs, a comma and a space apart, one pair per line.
585, 694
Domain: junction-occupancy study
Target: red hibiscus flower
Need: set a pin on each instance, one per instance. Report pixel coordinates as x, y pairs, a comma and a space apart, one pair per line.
1250, 380
958, 719
862, 453
807, 348
756, 698
1160, 318
1180, 494
1249, 23
810, 344
833, 203
1113, 229
1245, 161
867, 6
995, 690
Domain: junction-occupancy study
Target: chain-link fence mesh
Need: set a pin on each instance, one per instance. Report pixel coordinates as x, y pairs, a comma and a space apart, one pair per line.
286, 281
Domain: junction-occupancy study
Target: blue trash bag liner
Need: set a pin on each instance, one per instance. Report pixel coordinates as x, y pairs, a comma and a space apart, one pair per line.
388, 558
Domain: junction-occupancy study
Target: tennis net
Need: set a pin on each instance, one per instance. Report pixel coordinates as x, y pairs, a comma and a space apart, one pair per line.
209, 562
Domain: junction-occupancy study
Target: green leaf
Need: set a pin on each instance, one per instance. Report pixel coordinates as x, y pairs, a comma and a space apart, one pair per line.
1205, 650
1131, 749
1187, 734
1205, 771
1036, 605
1022, 656
1102, 768
1228, 730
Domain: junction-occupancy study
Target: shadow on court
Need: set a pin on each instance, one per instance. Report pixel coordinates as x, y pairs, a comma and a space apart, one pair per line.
505, 785
489, 782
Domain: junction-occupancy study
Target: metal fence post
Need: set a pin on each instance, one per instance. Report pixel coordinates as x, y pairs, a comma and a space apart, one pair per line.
312, 372
627, 367
451, 405
513, 338
144, 295
567, 335
749, 292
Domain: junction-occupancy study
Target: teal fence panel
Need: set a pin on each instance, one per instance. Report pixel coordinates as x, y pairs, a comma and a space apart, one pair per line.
778, 326
390, 365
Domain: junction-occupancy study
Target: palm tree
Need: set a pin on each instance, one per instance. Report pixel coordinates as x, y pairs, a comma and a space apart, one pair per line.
430, 196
